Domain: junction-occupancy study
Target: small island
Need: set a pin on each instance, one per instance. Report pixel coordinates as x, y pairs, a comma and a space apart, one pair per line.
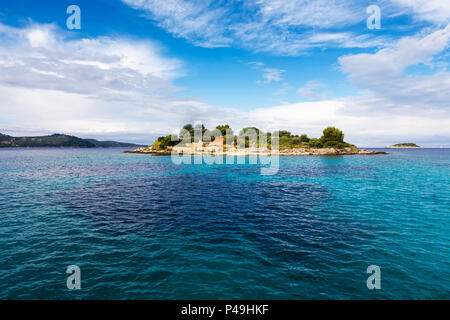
404, 145
251, 141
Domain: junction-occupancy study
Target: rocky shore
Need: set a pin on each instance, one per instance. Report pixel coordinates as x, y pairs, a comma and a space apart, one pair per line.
154, 153
285, 152
327, 152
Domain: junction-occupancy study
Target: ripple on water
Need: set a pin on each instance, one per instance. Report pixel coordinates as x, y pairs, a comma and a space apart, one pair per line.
140, 227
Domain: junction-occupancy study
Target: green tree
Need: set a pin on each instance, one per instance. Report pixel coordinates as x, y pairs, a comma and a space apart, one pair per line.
188, 127
249, 136
162, 143
332, 134
227, 133
285, 142
315, 143
198, 127
304, 138
247, 130
225, 130
187, 130
296, 141
283, 133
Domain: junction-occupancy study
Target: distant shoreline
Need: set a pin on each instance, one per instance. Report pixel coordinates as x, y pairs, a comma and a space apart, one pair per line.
56, 148
59, 141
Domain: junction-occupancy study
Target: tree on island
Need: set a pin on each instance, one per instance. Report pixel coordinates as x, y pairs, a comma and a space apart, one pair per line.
189, 130
250, 137
186, 132
304, 138
406, 144
227, 134
332, 134
331, 138
225, 129
162, 143
289, 140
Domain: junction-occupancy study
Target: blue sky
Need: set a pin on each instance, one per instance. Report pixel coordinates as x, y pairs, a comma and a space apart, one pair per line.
141, 68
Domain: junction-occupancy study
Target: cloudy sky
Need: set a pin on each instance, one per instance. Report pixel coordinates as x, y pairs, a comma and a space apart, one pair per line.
138, 69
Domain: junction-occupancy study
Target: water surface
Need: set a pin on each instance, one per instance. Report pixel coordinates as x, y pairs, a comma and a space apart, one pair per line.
141, 227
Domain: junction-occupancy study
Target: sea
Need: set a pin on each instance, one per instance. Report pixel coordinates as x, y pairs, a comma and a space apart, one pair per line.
142, 227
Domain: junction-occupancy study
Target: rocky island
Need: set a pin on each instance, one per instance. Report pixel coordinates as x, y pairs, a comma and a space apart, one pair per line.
251, 142
404, 145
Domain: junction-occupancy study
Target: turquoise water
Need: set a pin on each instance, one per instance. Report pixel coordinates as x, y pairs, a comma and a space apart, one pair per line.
141, 227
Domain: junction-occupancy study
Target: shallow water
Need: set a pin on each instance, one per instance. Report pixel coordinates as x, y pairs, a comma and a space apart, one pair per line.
141, 227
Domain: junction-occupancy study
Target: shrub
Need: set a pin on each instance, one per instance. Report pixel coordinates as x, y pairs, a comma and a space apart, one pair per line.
304, 138
336, 144
163, 142
315, 143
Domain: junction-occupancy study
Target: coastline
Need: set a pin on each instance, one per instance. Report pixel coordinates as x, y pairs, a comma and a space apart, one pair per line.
283, 153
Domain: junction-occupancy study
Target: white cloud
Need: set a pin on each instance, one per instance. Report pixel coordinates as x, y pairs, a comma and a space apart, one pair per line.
287, 27
362, 122
39, 56
272, 75
284, 89
257, 64
436, 11
43, 110
40, 37
383, 73
88, 86
397, 105
269, 74
201, 22
309, 92
116, 87
307, 13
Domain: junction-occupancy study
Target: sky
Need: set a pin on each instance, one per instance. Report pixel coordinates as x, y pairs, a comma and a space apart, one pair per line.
139, 69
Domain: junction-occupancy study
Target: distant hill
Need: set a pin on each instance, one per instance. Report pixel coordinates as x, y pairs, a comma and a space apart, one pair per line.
58, 141
112, 144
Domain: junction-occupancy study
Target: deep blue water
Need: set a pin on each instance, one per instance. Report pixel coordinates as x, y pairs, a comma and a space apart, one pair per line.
141, 227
